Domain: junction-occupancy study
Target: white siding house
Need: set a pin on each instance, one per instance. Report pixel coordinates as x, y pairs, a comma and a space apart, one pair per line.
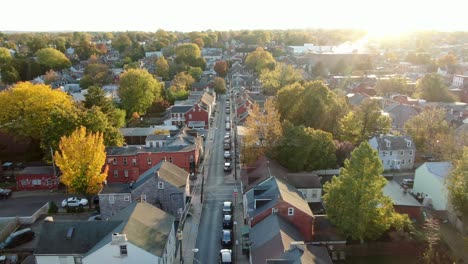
395, 152
429, 181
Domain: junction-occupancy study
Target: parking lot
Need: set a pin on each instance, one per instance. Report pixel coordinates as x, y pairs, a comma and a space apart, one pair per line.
22, 205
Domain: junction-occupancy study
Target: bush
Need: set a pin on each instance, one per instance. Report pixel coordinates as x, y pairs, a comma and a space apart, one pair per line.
53, 209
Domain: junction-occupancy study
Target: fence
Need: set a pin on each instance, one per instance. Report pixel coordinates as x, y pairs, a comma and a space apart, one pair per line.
29, 220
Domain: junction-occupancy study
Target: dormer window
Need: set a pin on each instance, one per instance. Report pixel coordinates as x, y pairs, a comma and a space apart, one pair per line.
408, 144
388, 144
160, 185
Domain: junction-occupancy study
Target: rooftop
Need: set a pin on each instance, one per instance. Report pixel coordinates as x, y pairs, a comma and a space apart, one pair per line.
393, 190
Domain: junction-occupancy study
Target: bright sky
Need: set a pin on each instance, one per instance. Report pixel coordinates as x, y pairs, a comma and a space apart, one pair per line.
379, 17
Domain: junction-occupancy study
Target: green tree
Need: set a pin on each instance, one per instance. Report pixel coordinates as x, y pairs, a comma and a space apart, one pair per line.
311, 104
282, 75
195, 72
306, 149
9, 74
95, 75
51, 58
457, 185
260, 60
427, 129
96, 96
390, 86
263, 131
138, 90
81, 158
359, 125
122, 43
219, 85
221, 68
5, 56
354, 200
162, 68
187, 53
432, 88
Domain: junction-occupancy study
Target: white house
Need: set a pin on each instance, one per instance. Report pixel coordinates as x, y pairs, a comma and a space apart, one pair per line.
396, 152
141, 233
429, 182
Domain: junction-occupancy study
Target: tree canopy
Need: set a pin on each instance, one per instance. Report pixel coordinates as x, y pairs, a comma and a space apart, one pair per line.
457, 185
81, 158
354, 200
390, 86
95, 75
432, 88
138, 90
260, 60
221, 68
282, 75
219, 85
311, 104
359, 125
51, 58
162, 68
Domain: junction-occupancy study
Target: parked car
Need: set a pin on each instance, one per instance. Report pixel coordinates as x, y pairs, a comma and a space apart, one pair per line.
227, 166
74, 202
17, 238
226, 238
228, 126
225, 256
227, 154
5, 193
227, 221
227, 146
227, 208
408, 183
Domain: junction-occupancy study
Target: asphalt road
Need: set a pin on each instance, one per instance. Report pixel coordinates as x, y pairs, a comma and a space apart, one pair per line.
219, 187
26, 206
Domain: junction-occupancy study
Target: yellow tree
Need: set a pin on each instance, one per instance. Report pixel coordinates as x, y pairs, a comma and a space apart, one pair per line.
81, 159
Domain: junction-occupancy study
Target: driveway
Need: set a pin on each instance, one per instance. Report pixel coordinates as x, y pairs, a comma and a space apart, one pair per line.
27, 205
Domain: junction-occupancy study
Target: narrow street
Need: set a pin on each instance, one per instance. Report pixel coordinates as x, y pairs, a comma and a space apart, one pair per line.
219, 187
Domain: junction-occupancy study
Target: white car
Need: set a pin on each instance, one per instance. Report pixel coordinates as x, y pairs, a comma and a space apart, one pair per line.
74, 202
225, 256
227, 154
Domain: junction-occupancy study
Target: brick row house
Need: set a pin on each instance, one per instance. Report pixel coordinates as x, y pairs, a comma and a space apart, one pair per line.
195, 112
126, 164
36, 178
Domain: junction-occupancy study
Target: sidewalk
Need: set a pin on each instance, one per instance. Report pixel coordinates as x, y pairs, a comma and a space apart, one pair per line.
18, 194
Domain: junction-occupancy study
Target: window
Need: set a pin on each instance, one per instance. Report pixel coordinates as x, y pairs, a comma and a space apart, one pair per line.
160, 185
111, 199
409, 161
125, 161
274, 210
403, 162
398, 163
49, 182
114, 161
149, 161
190, 116
290, 211
123, 250
402, 153
314, 193
408, 144
170, 159
127, 197
126, 173
109, 160
36, 182
78, 260
24, 182
134, 162
191, 158
388, 144
411, 153
143, 197
391, 153
116, 173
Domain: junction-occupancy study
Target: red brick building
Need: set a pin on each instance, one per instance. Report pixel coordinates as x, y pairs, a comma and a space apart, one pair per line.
126, 164
273, 196
36, 178
198, 116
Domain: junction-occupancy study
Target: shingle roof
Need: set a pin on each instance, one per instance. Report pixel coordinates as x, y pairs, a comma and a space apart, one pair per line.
53, 239
439, 169
48, 170
167, 171
396, 142
180, 108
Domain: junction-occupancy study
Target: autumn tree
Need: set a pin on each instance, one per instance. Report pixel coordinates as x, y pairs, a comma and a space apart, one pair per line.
457, 185
282, 75
199, 41
162, 68
259, 60
428, 129
195, 72
138, 90
51, 58
219, 85
391, 86
432, 88
81, 157
311, 104
50, 77
354, 200
122, 43
5, 56
305, 149
26, 108
190, 54
95, 75
359, 125
221, 68
449, 61
263, 131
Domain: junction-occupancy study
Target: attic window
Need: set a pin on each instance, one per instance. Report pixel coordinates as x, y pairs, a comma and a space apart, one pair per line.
408, 144
160, 185
291, 211
388, 144
123, 250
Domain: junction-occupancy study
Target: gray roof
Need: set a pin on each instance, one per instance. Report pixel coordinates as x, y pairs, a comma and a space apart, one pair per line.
157, 137
117, 187
137, 131
439, 169
393, 190
53, 239
396, 142
130, 151
48, 170
180, 108
309, 255
304, 180
145, 226
167, 171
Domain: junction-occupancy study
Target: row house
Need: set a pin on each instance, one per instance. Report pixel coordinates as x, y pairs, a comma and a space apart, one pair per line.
194, 112
395, 152
36, 178
125, 164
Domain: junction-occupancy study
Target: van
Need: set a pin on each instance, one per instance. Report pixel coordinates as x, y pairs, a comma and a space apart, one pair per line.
17, 238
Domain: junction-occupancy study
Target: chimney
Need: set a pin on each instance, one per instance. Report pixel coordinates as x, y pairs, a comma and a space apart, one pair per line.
118, 239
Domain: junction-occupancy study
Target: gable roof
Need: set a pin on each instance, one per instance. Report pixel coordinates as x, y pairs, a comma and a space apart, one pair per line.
86, 234
167, 171
439, 169
145, 226
396, 142
180, 108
